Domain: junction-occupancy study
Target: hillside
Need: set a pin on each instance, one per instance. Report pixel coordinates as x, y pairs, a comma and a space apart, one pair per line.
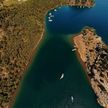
21, 29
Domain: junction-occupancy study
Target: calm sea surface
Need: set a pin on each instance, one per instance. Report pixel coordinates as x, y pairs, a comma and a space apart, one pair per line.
42, 86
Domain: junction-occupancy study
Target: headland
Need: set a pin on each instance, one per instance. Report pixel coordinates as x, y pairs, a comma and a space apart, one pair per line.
93, 52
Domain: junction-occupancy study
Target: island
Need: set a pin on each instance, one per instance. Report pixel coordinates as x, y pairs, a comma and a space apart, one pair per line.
93, 54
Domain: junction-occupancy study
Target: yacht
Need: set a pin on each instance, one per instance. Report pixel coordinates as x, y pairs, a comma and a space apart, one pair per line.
62, 76
74, 49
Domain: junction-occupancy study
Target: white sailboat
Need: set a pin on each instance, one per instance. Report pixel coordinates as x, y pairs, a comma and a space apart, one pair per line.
72, 99
62, 76
74, 49
50, 20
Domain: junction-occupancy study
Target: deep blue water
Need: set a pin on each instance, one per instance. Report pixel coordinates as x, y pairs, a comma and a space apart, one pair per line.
70, 20
41, 86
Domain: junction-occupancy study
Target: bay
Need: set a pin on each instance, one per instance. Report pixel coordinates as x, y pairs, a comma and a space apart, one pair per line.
42, 86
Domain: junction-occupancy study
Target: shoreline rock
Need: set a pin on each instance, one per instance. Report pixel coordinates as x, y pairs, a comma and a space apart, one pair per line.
94, 54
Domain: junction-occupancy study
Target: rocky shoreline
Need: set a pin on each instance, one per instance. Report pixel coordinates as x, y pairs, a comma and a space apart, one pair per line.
21, 27
82, 3
94, 54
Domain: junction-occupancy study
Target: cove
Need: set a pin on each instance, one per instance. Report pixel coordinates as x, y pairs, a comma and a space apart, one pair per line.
71, 20
41, 86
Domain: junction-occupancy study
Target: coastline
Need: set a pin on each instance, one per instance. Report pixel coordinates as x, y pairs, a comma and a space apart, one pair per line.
87, 4
89, 40
80, 59
32, 56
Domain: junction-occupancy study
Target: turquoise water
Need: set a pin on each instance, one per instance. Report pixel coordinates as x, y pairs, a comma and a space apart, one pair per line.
41, 86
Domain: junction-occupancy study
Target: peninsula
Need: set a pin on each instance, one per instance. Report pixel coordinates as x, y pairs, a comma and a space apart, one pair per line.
93, 53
